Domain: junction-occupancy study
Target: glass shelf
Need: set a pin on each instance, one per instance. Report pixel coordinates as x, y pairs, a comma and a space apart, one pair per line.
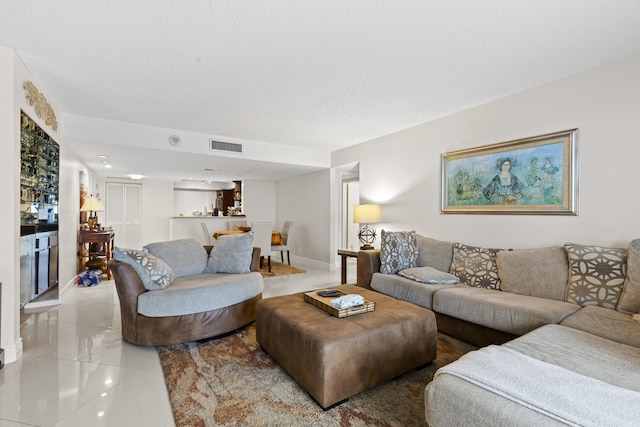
40, 168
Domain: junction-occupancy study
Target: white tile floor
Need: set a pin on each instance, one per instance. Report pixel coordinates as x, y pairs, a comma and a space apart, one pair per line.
77, 371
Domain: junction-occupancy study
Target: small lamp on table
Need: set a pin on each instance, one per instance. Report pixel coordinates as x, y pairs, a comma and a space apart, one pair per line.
366, 214
93, 205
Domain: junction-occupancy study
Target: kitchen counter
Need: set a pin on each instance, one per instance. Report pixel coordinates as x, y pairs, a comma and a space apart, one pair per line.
189, 226
210, 216
27, 229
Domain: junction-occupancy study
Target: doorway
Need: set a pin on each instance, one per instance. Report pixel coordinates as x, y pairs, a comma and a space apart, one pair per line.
124, 213
350, 198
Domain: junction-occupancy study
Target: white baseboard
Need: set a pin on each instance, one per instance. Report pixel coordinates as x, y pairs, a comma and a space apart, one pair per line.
302, 261
39, 304
13, 352
67, 285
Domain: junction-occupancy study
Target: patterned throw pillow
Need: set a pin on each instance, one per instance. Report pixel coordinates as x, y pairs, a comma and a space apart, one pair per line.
398, 250
596, 275
475, 266
154, 273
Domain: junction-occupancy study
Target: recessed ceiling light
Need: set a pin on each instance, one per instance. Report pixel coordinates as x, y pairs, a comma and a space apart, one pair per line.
107, 166
175, 140
102, 156
134, 176
105, 161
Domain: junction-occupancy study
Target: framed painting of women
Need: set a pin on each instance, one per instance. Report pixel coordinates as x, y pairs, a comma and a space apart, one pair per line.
536, 175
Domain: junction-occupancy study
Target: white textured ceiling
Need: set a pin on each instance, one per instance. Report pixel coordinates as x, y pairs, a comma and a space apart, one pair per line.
315, 74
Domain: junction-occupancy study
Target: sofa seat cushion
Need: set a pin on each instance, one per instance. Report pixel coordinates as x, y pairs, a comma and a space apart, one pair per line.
582, 353
453, 401
200, 293
504, 311
405, 289
606, 323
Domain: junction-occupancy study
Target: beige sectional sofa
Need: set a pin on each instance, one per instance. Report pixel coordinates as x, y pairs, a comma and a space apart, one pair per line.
558, 312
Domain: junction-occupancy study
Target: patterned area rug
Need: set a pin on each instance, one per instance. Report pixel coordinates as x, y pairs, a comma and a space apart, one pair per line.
279, 269
230, 381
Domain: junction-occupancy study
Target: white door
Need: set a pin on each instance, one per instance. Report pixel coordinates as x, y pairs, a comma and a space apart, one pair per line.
124, 213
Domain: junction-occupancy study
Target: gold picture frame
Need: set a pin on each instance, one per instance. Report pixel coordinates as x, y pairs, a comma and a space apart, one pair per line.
534, 176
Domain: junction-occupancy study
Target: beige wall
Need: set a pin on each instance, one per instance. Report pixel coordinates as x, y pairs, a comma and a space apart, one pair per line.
259, 201
402, 171
306, 200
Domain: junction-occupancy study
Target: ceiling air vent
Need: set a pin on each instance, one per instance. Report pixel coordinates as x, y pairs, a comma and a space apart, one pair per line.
225, 146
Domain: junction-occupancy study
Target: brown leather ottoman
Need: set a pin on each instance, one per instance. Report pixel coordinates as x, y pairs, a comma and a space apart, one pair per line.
332, 358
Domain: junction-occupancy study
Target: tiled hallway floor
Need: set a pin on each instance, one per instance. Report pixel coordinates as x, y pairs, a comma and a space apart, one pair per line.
77, 371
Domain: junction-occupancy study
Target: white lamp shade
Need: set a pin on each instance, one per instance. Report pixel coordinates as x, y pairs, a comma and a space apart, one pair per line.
92, 204
366, 214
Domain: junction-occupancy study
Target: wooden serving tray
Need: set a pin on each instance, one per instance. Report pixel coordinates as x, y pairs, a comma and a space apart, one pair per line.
324, 303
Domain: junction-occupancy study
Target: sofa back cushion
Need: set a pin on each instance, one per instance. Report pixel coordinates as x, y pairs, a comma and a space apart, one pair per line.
434, 253
596, 275
630, 298
540, 272
475, 266
185, 256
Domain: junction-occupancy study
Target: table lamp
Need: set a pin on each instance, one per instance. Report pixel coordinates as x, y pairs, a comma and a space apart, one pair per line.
92, 205
366, 214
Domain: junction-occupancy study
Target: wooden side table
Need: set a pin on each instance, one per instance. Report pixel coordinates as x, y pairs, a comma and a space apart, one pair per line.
344, 254
85, 239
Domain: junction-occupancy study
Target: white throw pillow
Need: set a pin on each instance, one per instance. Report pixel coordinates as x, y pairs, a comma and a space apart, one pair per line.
231, 254
185, 256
